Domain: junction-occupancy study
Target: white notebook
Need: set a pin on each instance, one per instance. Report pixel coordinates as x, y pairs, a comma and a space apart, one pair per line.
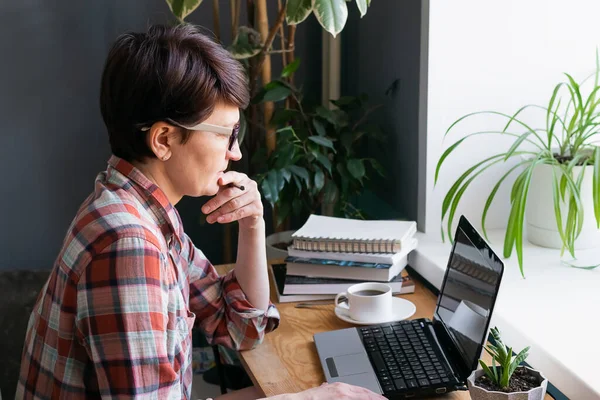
342, 235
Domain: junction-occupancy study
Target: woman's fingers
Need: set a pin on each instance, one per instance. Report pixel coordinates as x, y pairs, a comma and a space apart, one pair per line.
226, 193
230, 206
250, 210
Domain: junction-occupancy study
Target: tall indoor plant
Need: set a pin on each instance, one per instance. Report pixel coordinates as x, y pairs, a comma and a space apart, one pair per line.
319, 162
565, 151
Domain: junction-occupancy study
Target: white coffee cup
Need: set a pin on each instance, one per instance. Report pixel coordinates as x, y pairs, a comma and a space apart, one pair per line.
370, 301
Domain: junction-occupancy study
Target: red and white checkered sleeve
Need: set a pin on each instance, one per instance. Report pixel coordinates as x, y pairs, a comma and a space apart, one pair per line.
222, 309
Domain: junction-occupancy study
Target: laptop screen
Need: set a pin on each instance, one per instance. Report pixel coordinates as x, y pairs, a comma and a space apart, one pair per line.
469, 292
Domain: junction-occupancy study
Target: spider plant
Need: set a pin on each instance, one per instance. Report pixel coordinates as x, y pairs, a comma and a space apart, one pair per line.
564, 142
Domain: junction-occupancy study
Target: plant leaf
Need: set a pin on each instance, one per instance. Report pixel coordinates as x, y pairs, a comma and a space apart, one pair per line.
326, 114
458, 142
270, 187
297, 11
596, 185
455, 193
321, 158
356, 168
283, 116
319, 127
550, 126
183, 8
345, 101
492, 194
522, 356
516, 145
246, 44
331, 14
300, 172
287, 175
319, 180
510, 235
323, 141
291, 67
277, 93
362, 7
377, 166
556, 198
487, 371
521, 203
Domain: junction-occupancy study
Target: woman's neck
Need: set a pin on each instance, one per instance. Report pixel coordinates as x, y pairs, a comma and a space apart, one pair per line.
154, 171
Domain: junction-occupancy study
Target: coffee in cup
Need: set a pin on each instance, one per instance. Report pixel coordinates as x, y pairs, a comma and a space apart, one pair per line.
369, 301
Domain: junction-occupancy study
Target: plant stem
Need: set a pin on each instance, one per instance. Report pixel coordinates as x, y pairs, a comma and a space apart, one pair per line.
291, 47
268, 42
282, 37
264, 65
279, 52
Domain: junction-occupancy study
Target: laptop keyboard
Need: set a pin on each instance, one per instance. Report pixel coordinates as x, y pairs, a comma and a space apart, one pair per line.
403, 356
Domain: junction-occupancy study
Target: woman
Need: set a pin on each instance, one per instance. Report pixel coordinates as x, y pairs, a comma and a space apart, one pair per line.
114, 319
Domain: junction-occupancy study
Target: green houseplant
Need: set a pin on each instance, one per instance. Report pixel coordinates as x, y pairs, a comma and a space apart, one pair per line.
506, 379
317, 165
565, 149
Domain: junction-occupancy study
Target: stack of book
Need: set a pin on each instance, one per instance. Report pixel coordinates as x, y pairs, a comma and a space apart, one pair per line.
330, 254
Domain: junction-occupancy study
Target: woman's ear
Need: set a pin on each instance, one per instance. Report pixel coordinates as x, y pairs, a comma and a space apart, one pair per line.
160, 139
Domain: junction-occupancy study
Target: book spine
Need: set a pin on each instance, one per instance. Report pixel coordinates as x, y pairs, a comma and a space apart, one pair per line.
348, 246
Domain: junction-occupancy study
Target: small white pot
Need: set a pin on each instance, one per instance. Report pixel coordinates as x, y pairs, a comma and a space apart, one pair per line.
273, 253
479, 393
540, 217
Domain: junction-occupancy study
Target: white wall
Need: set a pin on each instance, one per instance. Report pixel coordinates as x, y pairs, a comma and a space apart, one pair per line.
497, 55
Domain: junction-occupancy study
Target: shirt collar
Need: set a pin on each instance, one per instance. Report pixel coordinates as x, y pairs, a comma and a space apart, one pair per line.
152, 197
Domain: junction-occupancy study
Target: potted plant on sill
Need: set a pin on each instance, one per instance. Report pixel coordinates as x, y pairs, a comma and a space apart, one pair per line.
506, 379
317, 165
557, 189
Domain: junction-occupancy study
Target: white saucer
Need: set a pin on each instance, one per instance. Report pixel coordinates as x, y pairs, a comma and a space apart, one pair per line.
401, 309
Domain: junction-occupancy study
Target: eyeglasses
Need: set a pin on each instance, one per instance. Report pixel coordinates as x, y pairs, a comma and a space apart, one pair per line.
222, 130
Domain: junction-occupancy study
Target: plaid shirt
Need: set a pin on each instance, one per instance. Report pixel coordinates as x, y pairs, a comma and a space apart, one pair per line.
114, 318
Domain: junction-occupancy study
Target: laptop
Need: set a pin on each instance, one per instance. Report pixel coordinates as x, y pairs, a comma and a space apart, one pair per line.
423, 357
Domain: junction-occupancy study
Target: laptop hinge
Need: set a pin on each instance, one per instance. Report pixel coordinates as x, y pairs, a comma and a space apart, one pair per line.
461, 385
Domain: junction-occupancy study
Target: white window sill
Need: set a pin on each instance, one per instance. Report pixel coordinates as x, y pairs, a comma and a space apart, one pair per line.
554, 310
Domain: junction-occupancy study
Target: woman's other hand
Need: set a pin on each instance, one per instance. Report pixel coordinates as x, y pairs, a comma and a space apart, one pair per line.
329, 391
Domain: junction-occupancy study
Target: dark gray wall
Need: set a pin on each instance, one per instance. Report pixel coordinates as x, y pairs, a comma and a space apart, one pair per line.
379, 49
54, 142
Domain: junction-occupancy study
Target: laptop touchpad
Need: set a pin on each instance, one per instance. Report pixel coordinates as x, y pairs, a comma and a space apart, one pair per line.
349, 364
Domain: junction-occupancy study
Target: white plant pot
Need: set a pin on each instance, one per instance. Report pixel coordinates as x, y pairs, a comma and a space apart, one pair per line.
479, 393
540, 216
273, 253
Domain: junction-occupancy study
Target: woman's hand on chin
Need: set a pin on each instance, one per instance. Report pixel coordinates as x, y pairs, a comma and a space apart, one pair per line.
238, 199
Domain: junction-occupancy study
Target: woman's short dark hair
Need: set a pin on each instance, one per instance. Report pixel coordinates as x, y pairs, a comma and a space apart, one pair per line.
174, 73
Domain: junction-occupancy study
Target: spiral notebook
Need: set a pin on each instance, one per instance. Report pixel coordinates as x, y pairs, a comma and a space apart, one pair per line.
343, 235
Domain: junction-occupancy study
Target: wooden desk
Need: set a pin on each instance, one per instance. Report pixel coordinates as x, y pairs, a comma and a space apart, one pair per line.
287, 360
